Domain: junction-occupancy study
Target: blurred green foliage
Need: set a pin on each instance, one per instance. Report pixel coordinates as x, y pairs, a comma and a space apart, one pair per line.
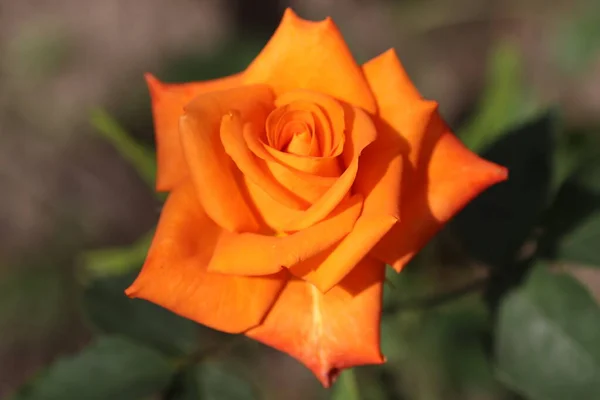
111, 312
110, 368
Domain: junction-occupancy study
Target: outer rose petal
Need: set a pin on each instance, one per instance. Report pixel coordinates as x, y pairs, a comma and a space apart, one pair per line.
329, 268
441, 175
255, 254
310, 55
332, 331
211, 170
168, 101
174, 275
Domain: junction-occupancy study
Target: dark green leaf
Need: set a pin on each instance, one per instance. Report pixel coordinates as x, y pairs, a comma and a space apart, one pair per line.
220, 381
572, 226
547, 344
111, 311
582, 244
184, 386
112, 368
576, 154
495, 225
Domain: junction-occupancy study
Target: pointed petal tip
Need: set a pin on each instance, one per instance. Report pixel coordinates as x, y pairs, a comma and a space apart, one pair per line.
150, 78
131, 291
491, 174
154, 85
328, 374
501, 174
390, 55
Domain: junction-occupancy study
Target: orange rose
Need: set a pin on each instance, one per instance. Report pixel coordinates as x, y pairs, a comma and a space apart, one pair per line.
292, 184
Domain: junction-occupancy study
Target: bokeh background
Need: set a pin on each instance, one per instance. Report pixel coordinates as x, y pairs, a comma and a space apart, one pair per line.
501, 305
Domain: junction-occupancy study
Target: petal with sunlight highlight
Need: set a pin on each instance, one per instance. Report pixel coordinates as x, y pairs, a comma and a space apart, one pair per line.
453, 177
404, 112
168, 100
310, 55
328, 268
175, 274
439, 175
332, 331
211, 170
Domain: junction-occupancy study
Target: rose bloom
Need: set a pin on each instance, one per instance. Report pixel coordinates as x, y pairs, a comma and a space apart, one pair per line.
291, 185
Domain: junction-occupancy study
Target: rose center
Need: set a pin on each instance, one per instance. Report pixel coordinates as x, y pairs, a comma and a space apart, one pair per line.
299, 142
292, 131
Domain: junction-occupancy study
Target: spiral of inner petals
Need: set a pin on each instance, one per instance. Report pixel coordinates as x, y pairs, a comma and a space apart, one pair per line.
306, 124
293, 131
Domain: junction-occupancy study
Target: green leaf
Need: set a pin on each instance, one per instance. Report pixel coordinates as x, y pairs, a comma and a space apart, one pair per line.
141, 158
573, 152
582, 243
117, 260
211, 380
220, 381
111, 311
346, 387
572, 227
494, 226
112, 368
504, 102
547, 344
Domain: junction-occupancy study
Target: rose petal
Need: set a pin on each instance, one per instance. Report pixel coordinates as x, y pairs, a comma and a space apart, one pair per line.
332, 118
168, 101
360, 134
330, 267
174, 275
253, 168
380, 181
306, 186
316, 166
455, 176
400, 105
332, 331
310, 55
286, 125
211, 169
255, 254
441, 175
272, 213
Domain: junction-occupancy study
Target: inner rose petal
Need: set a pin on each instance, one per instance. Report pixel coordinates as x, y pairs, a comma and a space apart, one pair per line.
285, 122
306, 132
329, 117
300, 143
